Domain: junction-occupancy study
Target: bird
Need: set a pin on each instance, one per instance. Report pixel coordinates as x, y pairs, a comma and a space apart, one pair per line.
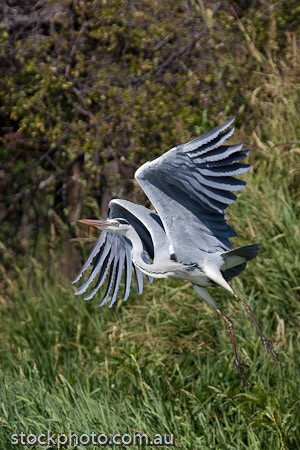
186, 235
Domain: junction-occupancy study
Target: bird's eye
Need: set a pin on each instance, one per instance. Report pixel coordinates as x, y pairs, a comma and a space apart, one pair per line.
117, 224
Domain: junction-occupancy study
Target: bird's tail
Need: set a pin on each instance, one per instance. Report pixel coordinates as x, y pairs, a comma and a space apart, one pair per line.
236, 260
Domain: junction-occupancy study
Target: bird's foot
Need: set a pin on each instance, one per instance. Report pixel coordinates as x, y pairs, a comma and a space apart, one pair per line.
243, 375
268, 344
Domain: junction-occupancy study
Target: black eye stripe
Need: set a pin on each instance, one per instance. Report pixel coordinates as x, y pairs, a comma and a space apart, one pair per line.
124, 222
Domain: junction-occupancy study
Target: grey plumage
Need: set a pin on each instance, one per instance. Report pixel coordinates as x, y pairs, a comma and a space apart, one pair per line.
187, 236
190, 187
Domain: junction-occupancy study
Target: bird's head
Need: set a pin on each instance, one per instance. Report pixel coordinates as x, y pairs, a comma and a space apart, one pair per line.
119, 226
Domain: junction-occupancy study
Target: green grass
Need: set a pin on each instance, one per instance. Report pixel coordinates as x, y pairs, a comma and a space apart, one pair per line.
163, 362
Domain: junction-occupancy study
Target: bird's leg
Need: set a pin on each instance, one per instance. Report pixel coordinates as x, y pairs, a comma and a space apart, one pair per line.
239, 366
266, 342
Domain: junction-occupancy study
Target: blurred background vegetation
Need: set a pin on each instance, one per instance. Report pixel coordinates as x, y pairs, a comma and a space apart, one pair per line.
90, 90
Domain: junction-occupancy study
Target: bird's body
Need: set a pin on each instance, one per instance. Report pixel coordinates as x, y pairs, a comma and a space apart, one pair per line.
187, 236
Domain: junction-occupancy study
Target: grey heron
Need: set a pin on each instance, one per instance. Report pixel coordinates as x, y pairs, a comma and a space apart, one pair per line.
186, 236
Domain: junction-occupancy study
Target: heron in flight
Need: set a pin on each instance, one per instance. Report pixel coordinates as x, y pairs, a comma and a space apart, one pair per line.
186, 236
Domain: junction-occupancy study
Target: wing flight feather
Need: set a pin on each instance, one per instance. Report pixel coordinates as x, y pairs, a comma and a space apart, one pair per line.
118, 278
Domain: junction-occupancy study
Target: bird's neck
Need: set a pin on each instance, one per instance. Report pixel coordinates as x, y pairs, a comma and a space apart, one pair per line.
140, 258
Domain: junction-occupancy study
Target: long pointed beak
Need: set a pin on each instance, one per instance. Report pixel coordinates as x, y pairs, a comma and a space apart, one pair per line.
95, 223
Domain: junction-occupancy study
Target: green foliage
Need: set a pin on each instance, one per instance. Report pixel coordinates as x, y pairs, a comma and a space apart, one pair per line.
98, 82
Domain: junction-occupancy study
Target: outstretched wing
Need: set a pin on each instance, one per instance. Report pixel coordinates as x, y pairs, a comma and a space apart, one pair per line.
112, 252
190, 187
109, 256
